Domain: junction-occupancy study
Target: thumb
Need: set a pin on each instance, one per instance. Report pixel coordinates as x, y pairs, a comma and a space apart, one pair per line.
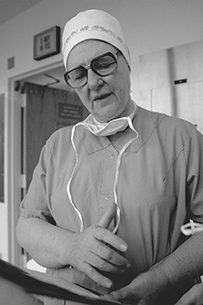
108, 216
119, 295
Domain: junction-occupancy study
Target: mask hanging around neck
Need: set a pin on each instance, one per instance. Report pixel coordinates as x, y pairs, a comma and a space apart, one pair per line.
110, 128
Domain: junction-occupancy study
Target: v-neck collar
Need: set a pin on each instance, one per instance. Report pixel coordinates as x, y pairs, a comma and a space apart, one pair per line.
143, 122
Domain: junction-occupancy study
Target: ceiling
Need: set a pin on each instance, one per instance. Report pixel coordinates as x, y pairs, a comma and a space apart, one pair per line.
12, 8
8, 10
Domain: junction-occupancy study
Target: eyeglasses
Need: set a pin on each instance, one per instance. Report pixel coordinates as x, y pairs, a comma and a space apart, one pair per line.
102, 65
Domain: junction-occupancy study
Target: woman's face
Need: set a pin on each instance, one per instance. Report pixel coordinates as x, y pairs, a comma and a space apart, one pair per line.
106, 97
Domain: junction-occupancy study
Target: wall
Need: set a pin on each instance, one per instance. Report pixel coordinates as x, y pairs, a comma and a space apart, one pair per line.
148, 25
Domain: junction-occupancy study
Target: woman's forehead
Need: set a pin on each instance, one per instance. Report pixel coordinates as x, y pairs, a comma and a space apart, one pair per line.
86, 50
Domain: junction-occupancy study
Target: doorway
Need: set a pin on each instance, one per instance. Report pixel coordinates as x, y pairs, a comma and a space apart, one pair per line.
41, 103
47, 109
1, 148
48, 104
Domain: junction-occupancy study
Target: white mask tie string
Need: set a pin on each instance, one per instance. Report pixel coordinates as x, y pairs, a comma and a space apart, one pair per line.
191, 228
120, 125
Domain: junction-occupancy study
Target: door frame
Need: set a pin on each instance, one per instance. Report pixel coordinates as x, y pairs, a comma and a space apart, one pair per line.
13, 178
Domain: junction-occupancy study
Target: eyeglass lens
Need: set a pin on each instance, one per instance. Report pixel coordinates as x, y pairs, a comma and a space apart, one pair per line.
102, 65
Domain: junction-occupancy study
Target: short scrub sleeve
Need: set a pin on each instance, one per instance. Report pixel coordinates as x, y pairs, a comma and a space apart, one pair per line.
194, 163
36, 202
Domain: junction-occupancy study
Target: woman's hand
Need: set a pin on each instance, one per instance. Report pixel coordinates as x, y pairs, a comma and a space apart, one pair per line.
98, 249
145, 289
193, 297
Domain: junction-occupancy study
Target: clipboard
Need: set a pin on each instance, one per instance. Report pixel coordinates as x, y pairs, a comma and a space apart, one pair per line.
38, 283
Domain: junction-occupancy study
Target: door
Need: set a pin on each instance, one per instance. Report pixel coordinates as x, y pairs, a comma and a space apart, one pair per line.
43, 110
171, 81
47, 109
2, 148
183, 101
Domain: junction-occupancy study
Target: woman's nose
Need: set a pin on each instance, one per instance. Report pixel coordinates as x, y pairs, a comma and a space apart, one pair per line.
93, 80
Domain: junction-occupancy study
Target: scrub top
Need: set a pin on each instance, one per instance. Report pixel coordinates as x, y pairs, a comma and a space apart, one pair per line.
159, 186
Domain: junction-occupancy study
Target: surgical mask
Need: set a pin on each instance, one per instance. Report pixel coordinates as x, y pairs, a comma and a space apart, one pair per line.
110, 128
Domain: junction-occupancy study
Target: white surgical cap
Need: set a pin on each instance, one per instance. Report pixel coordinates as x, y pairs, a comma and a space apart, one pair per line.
93, 24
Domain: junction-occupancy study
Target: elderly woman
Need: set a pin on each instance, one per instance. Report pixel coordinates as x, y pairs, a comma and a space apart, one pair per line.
109, 195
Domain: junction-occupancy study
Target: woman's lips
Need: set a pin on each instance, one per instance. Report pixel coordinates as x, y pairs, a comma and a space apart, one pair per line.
101, 97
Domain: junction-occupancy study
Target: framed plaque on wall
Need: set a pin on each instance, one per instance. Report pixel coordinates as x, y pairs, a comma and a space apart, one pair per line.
47, 43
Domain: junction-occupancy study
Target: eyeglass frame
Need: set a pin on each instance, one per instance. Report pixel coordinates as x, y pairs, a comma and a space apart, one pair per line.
90, 66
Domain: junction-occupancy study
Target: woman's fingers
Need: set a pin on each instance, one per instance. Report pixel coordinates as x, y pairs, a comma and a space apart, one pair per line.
108, 216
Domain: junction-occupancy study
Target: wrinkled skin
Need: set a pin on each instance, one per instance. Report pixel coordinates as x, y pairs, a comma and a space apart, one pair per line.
108, 97
193, 297
97, 248
143, 290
